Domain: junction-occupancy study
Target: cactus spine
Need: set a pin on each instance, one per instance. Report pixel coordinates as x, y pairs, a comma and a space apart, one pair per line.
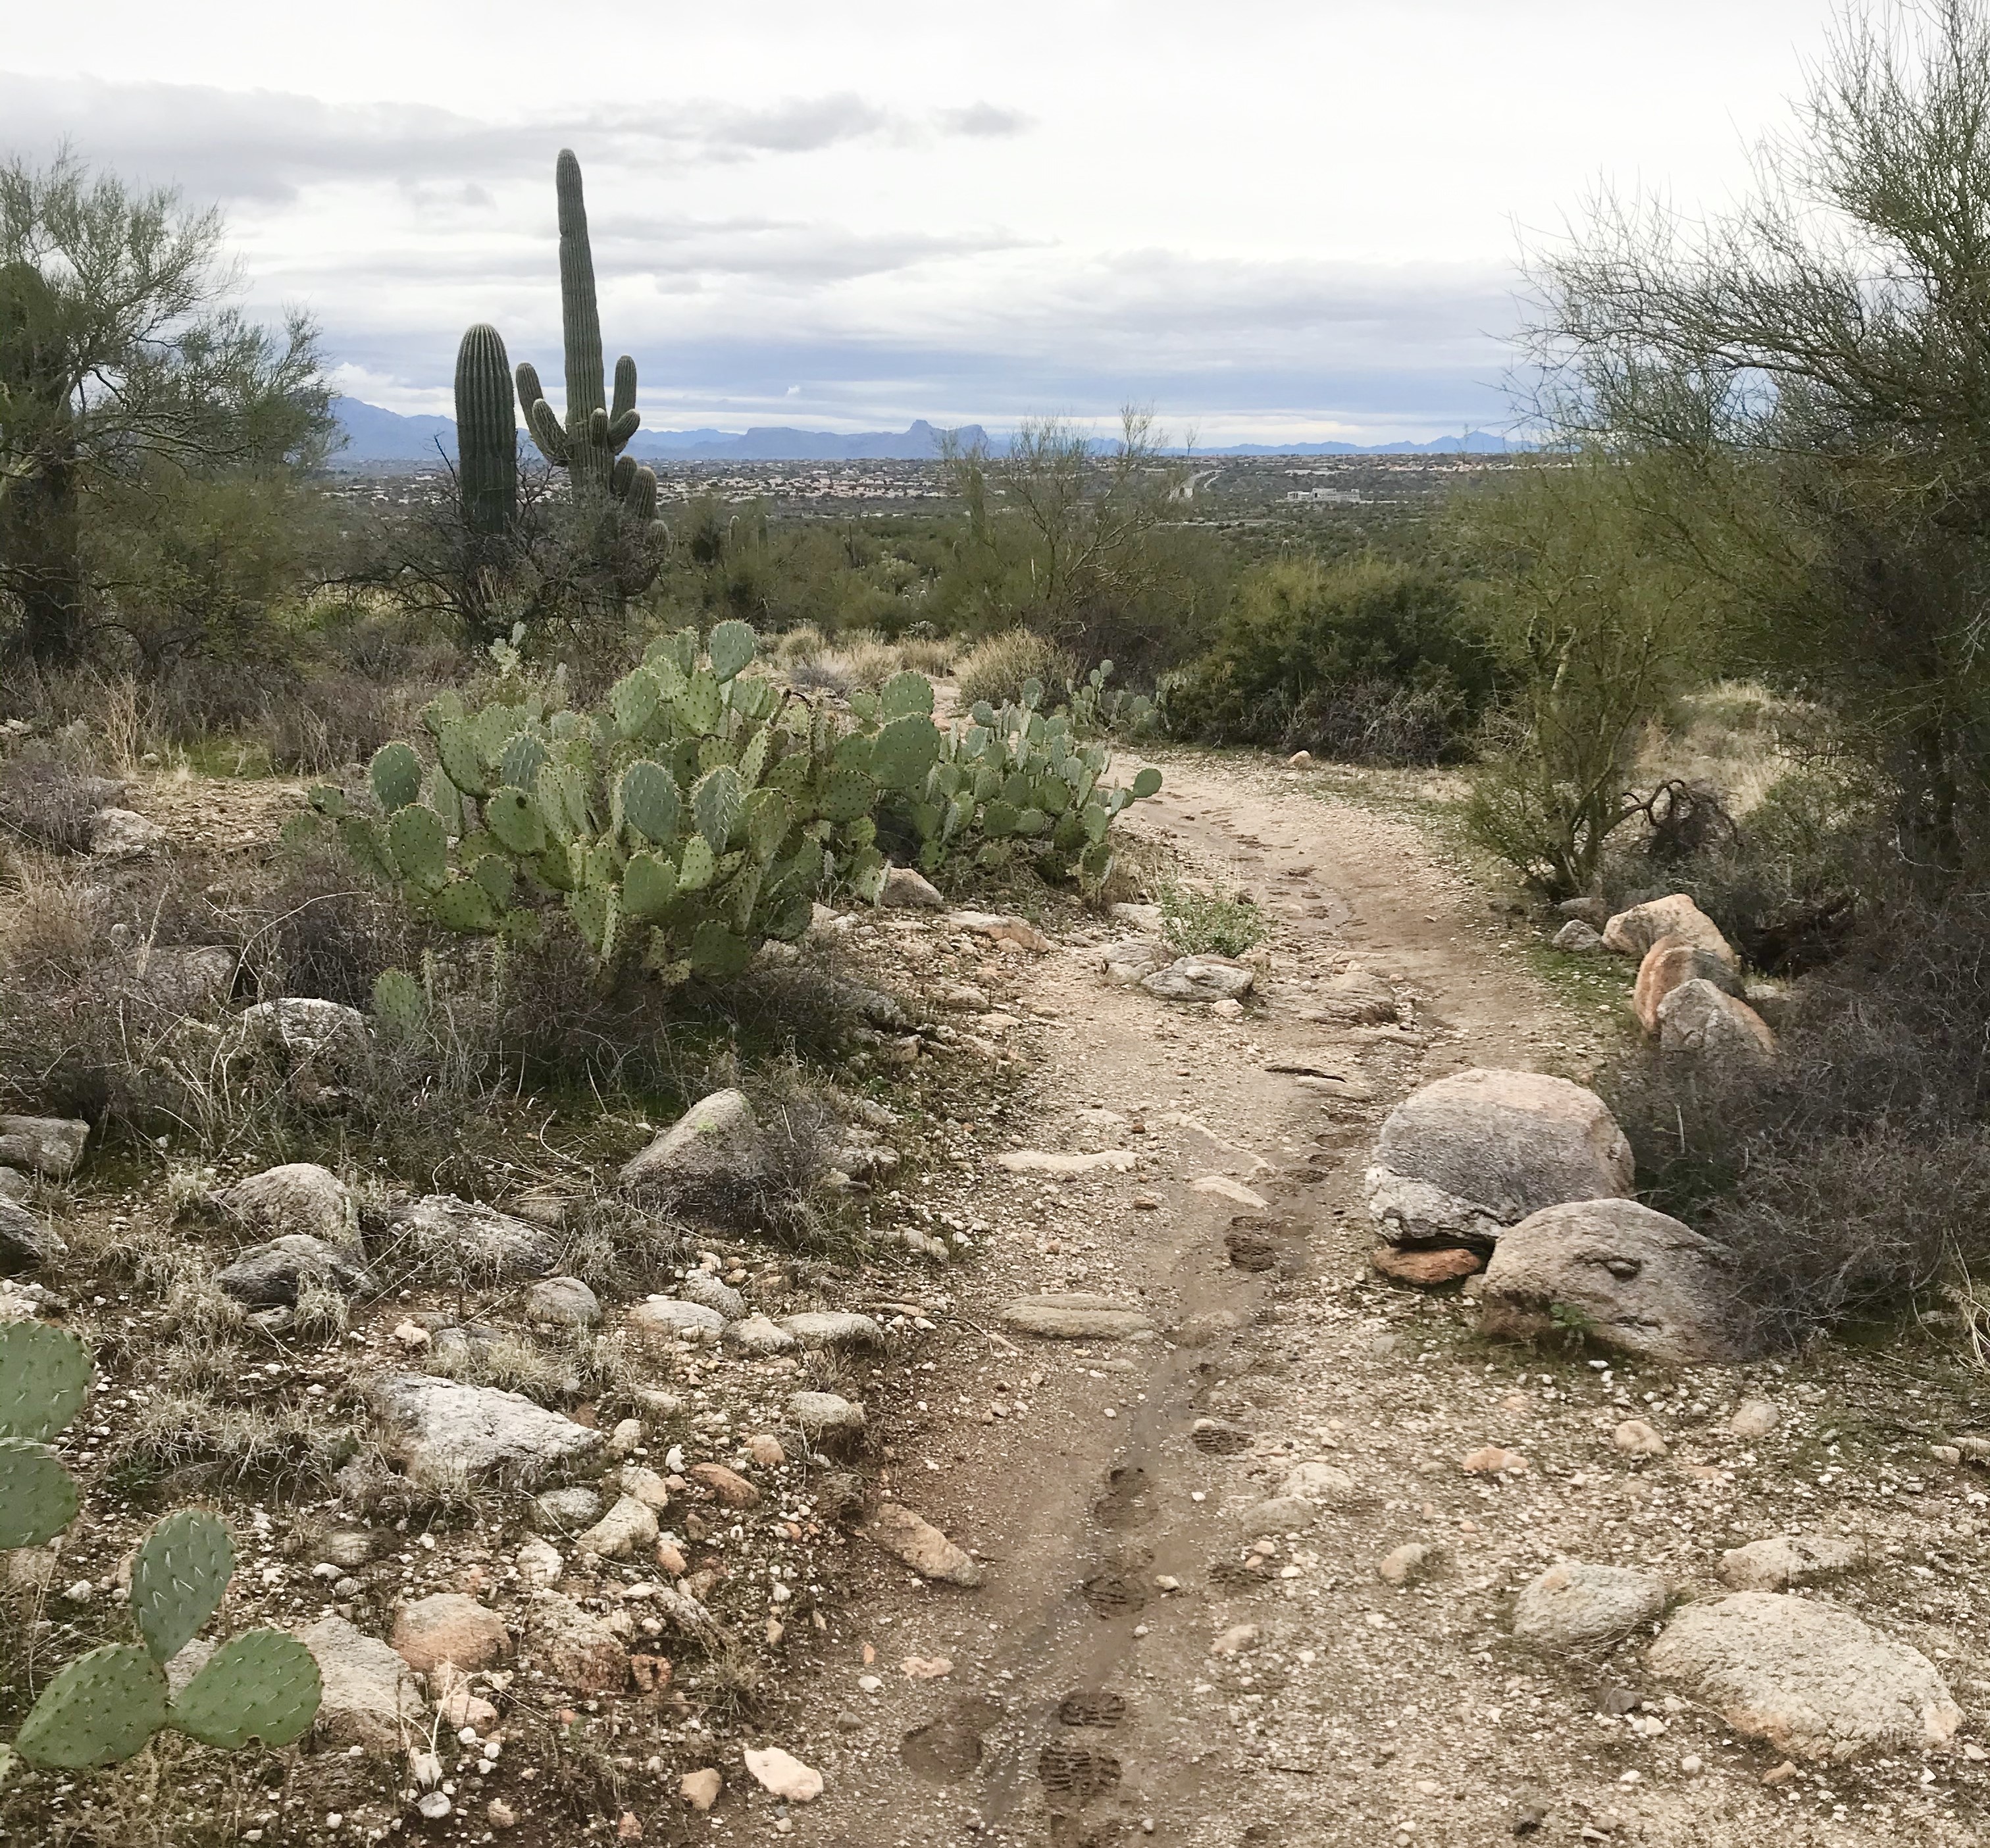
590, 444
487, 437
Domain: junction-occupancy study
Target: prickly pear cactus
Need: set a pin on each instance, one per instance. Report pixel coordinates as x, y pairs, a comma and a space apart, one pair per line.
99, 1710
262, 1685
44, 1380
182, 1570
37, 1498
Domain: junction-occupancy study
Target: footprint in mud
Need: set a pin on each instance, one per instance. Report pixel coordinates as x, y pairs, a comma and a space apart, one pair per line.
1251, 1246
1073, 1775
1113, 1594
1213, 1438
1123, 1502
1092, 1707
949, 1748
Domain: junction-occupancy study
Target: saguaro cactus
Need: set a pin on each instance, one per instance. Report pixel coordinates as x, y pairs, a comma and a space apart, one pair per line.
590, 444
487, 437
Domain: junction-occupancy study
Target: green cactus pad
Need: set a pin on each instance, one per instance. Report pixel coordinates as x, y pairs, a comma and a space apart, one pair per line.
553, 870
769, 815
457, 746
418, 846
181, 1569
697, 707
753, 758
262, 1684
464, 905
595, 911
516, 823
395, 774
790, 774
847, 794
444, 709
632, 701
906, 695
522, 759
717, 801
37, 1498
44, 1379
904, 751
400, 1003
999, 819
649, 884
649, 802
497, 875
730, 649
98, 1710
715, 950
866, 875
753, 700
852, 753
699, 864
1147, 783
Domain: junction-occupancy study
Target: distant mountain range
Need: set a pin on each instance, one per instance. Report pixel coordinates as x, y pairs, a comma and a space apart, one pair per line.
373, 436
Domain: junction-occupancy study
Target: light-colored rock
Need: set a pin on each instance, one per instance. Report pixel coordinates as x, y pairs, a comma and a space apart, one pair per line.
564, 1302
1004, 931
732, 1490
1635, 1438
766, 1450
123, 833
1324, 1485
783, 1776
1812, 1680
48, 1145
1468, 1156
1200, 978
714, 1144
701, 1788
1131, 961
1414, 1561
665, 1319
1073, 1316
1426, 1267
192, 1658
466, 1237
702, 1287
15, 1187
447, 1626
1044, 1161
1578, 938
839, 1328
1696, 1020
1224, 1187
1490, 1459
1670, 964
570, 1511
298, 1196
1787, 1559
444, 1431
1299, 760
1573, 1605
1592, 911
1755, 1417
645, 1485
827, 1420
1239, 1639
917, 1542
1353, 998
905, 890
574, 1646
303, 1027
270, 1275
626, 1529
758, 1335
1280, 1514
1632, 932
370, 1699
1631, 1278
540, 1563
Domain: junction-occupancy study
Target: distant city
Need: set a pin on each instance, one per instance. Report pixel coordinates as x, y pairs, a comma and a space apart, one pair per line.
374, 437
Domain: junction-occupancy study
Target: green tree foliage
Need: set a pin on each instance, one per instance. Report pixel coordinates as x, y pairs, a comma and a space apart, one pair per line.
121, 357
1814, 370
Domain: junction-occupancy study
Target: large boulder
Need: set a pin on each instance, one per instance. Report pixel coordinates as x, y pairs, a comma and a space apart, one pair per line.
907, 890
465, 1238
26, 1240
714, 1144
1470, 1155
268, 1276
1573, 1605
372, 1699
443, 1430
123, 833
1670, 962
1628, 1277
1812, 1680
837, 1328
1784, 1559
1697, 1020
1632, 932
48, 1146
298, 1196
564, 1302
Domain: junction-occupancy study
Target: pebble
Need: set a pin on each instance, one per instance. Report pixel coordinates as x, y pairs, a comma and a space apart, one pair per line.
1635, 1438
701, 1789
1493, 1461
1407, 1565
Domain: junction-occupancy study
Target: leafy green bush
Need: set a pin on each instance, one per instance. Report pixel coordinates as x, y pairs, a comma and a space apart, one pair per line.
1364, 659
1204, 923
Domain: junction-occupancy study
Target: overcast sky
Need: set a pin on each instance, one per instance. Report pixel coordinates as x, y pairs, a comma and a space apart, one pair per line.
1266, 219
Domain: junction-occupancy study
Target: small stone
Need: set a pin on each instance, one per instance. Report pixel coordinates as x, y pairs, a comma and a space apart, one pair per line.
702, 1287
826, 1419
1224, 1188
716, 1144
627, 1529
448, 1627
700, 1788
434, 1805
916, 1543
666, 1319
1281, 1514
298, 1196
1239, 1639
1578, 938
574, 1647
564, 1302
1073, 1316
1755, 1417
1786, 1559
906, 890
757, 1335
1323, 1485
630, 1827
1493, 1461
1200, 978
1573, 1604
1407, 1564
1426, 1269
833, 1328
445, 1431
626, 1436
566, 1510
370, 1696
645, 1485
670, 1560
268, 1276
1635, 1438
766, 1451
500, 1814
783, 1776
733, 1490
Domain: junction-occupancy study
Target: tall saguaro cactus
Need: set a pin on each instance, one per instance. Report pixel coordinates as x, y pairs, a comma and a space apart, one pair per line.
487, 437
588, 445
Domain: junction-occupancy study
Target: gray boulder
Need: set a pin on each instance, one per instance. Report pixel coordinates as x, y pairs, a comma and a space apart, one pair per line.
443, 1431
1787, 1559
50, 1147
465, 1238
268, 1276
1812, 1680
1578, 938
299, 1197
1353, 998
14, 1185
1573, 1605
1466, 1157
832, 1328
1203, 978
827, 1420
714, 1144
564, 1302
572, 1510
701, 1287
666, 1318
1697, 1020
1629, 1278
123, 833
1132, 961
371, 1697
758, 1336
25, 1239
1670, 962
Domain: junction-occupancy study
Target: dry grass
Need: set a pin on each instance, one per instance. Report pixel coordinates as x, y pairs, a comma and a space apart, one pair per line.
997, 670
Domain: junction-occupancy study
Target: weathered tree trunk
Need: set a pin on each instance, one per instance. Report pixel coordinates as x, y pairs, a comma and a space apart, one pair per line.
40, 563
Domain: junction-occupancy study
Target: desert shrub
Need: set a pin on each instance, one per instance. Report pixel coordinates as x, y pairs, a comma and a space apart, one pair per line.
861, 660
931, 655
1366, 660
47, 800
1851, 1177
997, 669
1199, 923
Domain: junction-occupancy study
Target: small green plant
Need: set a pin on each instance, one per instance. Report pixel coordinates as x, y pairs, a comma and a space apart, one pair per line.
1095, 707
103, 1706
1213, 922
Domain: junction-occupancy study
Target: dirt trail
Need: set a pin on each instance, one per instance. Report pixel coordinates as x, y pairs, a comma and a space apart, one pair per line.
1083, 1704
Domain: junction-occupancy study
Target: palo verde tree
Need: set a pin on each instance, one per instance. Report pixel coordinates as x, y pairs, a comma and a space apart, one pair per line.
1811, 375
122, 351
